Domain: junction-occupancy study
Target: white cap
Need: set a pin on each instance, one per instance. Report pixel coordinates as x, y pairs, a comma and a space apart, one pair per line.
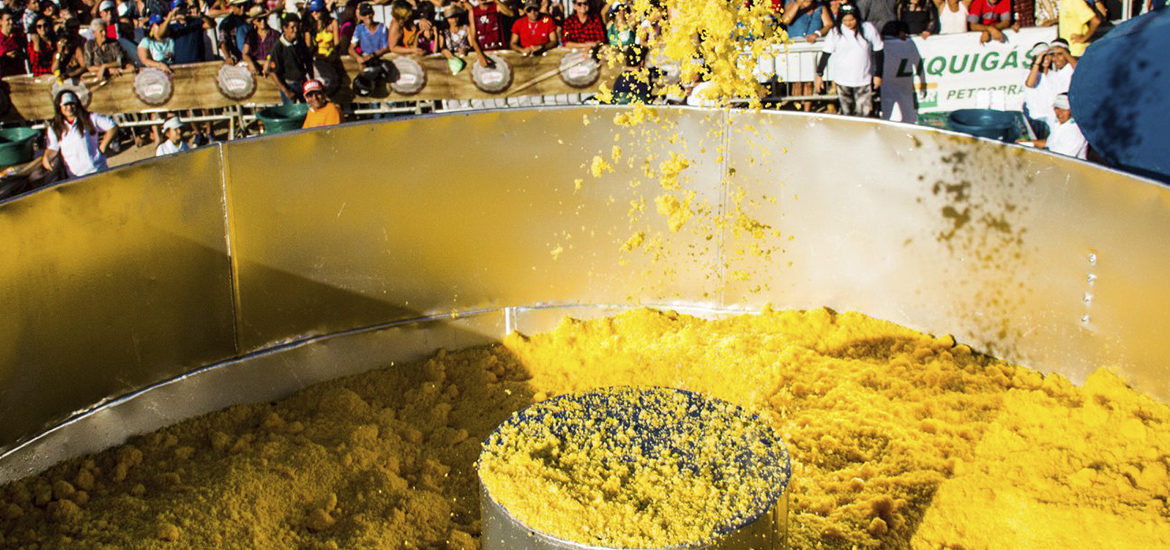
1061, 102
123, 9
172, 123
106, 5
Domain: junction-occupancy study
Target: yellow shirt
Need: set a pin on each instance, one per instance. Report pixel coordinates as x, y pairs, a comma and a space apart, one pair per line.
324, 43
325, 116
1074, 19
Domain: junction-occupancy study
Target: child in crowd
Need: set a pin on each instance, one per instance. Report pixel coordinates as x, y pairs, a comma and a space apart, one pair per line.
172, 131
456, 37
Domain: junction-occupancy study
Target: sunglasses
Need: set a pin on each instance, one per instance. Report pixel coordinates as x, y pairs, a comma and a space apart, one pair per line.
532, 9
580, 3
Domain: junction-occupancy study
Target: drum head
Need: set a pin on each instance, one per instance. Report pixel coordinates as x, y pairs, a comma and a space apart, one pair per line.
153, 87
579, 69
492, 80
412, 78
235, 82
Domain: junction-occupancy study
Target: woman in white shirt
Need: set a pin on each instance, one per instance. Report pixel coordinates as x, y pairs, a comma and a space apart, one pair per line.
854, 52
81, 138
952, 16
157, 50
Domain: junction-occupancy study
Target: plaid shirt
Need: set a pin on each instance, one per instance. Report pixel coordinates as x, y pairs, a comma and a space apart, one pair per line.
590, 31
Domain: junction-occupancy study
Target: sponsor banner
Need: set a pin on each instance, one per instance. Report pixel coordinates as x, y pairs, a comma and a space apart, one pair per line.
954, 71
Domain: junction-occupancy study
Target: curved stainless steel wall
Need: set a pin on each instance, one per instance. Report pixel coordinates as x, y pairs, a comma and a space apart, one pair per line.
130, 278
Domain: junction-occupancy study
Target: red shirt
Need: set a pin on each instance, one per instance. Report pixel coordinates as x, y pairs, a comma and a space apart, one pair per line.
488, 33
41, 63
11, 43
533, 33
590, 31
984, 13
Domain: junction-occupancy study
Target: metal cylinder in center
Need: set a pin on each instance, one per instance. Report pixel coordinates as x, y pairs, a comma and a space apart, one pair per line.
634, 467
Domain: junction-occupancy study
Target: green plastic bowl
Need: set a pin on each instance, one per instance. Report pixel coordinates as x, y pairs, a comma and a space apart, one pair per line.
986, 123
283, 118
16, 145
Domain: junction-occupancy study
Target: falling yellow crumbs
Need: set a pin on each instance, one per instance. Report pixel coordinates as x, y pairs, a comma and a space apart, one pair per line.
599, 166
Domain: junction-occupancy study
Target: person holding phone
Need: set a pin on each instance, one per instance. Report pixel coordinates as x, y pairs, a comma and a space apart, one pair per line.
1050, 75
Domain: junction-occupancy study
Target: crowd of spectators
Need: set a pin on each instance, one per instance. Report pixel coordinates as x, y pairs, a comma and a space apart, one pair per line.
298, 44
70, 38
292, 41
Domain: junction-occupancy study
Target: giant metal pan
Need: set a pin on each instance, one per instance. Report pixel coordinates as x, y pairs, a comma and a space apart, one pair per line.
244, 271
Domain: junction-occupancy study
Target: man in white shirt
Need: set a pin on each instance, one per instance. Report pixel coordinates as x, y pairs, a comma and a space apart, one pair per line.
1051, 74
1066, 137
80, 137
173, 132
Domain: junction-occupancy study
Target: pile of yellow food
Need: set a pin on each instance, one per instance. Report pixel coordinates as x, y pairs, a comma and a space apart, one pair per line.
897, 439
634, 467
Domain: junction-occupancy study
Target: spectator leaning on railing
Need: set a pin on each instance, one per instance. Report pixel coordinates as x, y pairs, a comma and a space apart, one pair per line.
487, 28
920, 17
103, 56
535, 33
429, 40
583, 27
403, 31
456, 37
806, 19
233, 33
989, 18
157, 50
952, 16
371, 39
